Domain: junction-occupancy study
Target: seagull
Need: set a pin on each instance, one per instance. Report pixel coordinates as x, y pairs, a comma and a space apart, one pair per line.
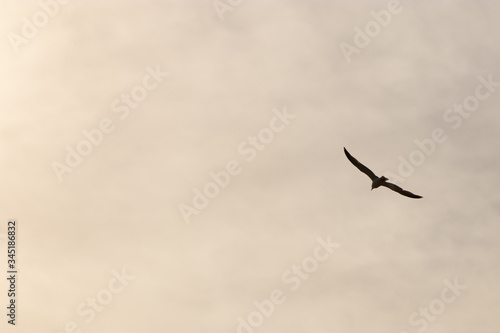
379, 181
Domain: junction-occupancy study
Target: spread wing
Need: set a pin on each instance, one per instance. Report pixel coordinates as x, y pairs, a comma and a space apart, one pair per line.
360, 166
400, 190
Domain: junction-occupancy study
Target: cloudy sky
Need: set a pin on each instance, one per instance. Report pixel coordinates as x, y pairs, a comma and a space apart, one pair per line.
178, 166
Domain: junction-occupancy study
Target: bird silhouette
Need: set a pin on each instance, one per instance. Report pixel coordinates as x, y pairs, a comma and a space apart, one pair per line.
378, 181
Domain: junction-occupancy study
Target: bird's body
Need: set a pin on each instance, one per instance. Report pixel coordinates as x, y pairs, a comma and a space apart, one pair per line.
378, 181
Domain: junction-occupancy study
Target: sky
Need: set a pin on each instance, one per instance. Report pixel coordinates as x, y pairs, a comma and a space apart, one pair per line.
178, 166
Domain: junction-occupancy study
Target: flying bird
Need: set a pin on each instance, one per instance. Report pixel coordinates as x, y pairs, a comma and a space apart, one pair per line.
378, 181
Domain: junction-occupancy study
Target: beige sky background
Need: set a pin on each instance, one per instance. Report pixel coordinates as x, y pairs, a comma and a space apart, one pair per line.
70, 68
